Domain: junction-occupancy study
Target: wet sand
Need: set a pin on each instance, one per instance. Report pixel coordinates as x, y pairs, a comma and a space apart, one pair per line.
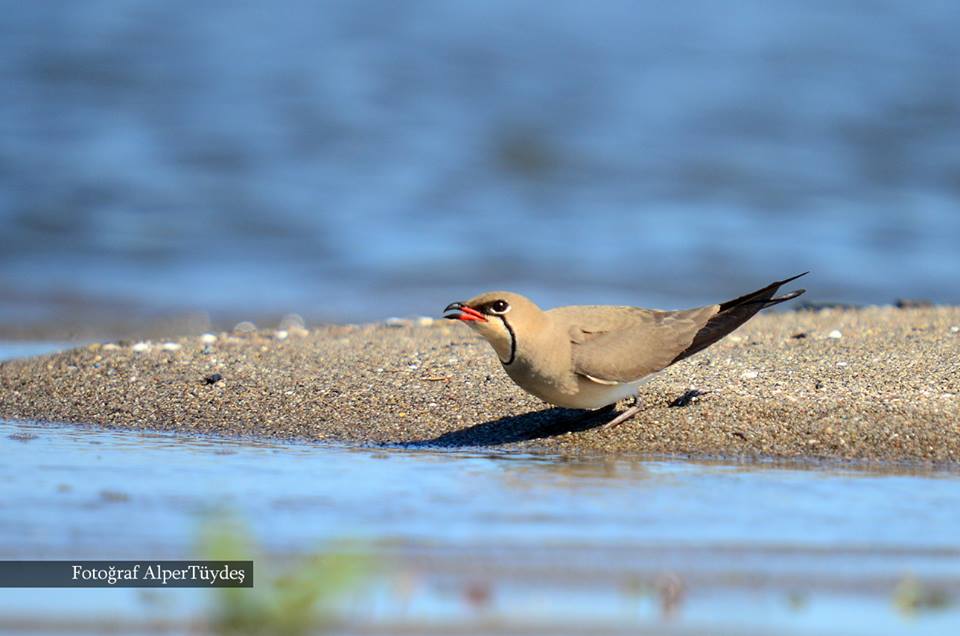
872, 384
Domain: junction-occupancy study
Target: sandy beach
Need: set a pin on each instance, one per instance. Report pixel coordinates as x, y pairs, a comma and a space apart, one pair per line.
869, 384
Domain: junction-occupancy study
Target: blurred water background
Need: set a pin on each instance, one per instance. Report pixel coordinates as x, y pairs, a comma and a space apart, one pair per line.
357, 160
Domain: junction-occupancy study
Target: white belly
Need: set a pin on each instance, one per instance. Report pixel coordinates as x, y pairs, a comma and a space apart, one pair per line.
593, 395
584, 393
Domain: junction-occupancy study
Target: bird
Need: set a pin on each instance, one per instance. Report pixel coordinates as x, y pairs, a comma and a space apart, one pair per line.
592, 356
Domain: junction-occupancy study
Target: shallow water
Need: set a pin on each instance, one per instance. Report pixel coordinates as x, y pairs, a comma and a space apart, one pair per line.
356, 160
23, 349
556, 544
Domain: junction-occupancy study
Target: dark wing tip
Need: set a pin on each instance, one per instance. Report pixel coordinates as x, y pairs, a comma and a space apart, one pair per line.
735, 312
791, 279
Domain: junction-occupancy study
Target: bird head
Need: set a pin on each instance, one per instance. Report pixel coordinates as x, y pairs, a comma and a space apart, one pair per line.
500, 317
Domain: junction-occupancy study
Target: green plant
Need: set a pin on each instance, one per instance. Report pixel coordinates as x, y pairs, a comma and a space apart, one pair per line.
299, 600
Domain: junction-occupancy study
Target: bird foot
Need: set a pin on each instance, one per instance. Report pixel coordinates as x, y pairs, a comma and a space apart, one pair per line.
626, 415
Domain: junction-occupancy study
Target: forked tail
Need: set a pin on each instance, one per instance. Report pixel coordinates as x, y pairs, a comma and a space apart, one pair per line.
734, 313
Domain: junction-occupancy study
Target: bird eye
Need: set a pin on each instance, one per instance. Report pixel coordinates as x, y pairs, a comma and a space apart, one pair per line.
499, 307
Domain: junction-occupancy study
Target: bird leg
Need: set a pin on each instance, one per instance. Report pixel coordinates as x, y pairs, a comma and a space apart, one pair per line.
632, 410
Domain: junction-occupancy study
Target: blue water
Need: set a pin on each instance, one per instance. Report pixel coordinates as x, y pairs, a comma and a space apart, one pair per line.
744, 539
445, 497
353, 160
26, 348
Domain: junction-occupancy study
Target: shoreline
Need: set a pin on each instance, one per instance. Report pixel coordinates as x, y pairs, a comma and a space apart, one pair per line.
903, 466
784, 386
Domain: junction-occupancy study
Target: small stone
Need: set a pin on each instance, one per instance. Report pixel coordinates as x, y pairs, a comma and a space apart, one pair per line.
171, 346
912, 303
425, 321
245, 327
141, 347
395, 322
750, 375
841, 364
111, 346
693, 395
291, 320
955, 329
298, 331
213, 378
836, 334
281, 334
208, 338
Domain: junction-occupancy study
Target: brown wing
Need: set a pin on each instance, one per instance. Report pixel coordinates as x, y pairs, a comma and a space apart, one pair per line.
625, 344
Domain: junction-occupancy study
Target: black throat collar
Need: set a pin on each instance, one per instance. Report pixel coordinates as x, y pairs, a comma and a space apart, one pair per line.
513, 341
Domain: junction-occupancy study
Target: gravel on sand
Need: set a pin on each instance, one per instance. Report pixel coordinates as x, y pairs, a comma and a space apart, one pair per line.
874, 383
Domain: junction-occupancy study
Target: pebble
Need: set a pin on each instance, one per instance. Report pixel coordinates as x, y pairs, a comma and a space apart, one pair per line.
245, 327
692, 395
111, 346
750, 375
425, 321
912, 303
141, 347
836, 334
290, 321
172, 346
281, 334
393, 321
208, 338
955, 329
213, 378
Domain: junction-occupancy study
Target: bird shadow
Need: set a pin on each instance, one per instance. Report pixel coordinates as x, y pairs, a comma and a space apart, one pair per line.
522, 428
